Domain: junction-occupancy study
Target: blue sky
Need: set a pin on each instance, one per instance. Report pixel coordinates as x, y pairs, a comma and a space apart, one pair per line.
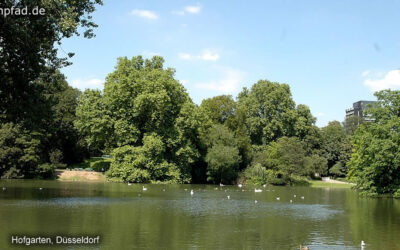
331, 53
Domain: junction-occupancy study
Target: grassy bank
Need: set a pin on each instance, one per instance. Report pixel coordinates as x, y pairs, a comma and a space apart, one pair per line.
319, 184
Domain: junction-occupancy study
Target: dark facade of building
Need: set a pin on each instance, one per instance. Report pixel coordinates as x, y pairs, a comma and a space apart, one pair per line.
358, 110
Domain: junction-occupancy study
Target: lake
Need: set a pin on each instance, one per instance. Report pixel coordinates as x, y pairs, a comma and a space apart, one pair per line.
169, 217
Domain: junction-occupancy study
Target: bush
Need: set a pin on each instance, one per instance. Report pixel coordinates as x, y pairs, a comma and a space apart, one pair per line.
259, 175
223, 163
256, 174
56, 157
46, 170
101, 165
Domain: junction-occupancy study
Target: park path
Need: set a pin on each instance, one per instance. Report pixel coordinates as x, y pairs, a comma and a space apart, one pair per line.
328, 179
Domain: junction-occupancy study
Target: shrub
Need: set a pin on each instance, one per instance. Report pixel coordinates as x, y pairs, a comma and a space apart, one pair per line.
101, 165
45, 170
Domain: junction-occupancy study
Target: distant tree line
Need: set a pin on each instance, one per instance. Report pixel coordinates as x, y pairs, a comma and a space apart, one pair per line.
145, 119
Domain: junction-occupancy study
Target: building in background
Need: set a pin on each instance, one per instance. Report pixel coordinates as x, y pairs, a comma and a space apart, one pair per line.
358, 110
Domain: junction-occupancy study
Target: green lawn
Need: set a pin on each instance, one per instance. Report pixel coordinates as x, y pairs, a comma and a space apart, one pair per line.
331, 185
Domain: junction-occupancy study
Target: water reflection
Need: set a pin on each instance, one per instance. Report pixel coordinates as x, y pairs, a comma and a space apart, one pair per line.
168, 217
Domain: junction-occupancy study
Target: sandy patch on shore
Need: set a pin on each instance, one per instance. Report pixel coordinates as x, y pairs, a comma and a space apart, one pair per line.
67, 175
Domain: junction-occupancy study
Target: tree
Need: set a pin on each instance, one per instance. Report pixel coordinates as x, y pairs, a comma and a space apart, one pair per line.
94, 123
270, 111
145, 104
288, 157
220, 109
143, 163
335, 144
375, 163
222, 155
19, 152
37, 106
28, 50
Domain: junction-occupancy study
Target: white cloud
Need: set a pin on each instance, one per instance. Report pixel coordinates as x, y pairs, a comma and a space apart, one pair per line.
185, 56
193, 9
207, 55
319, 114
145, 14
229, 82
183, 82
390, 80
365, 73
188, 10
83, 84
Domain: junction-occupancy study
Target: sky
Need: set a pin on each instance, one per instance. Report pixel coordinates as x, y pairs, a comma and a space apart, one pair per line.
331, 53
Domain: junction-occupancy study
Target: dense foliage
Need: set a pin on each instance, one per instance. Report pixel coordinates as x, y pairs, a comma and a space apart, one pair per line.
37, 107
375, 162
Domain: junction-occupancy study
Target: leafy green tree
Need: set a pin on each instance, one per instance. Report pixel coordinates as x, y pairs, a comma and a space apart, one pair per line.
94, 122
220, 109
143, 99
270, 111
143, 163
222, 155
288, 156
335, 144
316, 164
375, 162
19, 152
338, 170
37, 106
28, 50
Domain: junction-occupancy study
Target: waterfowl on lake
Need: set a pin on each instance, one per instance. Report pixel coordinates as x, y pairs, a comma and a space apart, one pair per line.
302, 197
221, 185
294, 196
228, 197
291, 201
4, 188
240, 185
257, 190
40, 188
362, 244
129, 183
191, 192
144, 189
278, 198
255, 201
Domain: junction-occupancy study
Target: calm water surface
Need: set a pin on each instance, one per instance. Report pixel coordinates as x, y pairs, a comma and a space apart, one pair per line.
168, 217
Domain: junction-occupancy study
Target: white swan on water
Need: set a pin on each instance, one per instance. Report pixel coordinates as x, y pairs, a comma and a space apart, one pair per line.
257, 190
240, 185
278, 198
191, 192
363, 244
144, 189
